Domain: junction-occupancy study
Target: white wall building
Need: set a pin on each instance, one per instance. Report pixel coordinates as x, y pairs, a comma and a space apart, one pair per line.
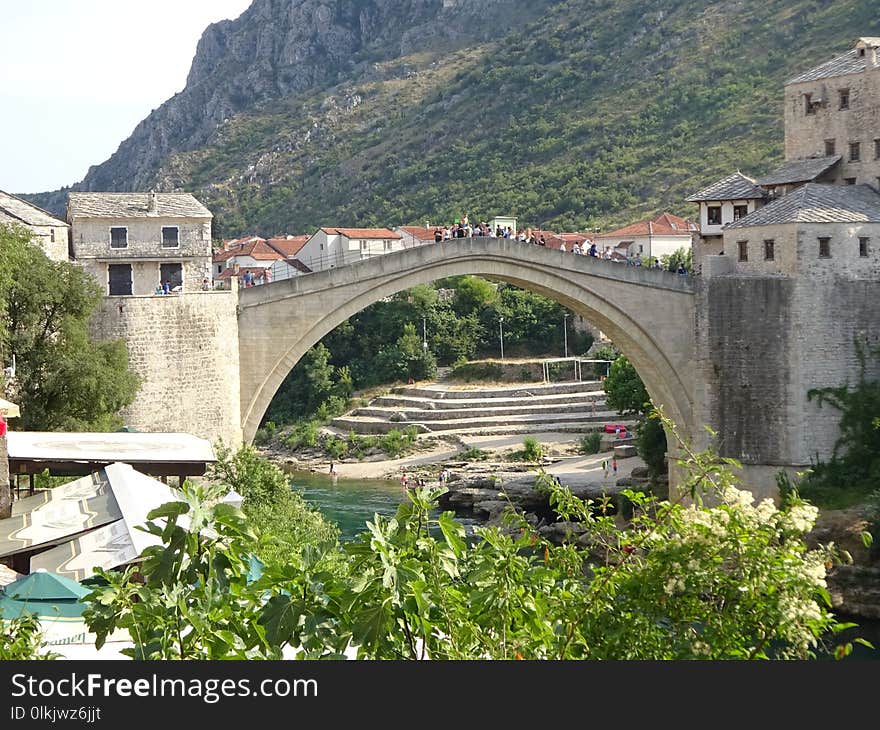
332, 247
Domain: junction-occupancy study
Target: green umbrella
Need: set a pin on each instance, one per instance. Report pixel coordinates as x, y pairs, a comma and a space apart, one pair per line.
43, 594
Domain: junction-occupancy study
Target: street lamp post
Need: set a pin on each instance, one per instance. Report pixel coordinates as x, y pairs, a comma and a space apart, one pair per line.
501, 334
565, 332
425, 334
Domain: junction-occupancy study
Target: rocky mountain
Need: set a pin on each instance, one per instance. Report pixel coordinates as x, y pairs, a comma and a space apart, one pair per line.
568, 113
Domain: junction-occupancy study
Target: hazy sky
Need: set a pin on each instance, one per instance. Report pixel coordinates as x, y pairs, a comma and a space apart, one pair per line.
76, 76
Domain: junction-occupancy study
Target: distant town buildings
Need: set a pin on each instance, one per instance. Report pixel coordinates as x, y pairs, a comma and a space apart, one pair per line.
656, 237
47, 232
329, 247
134, 243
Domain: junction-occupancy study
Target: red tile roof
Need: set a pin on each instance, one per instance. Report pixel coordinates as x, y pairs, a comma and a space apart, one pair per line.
288, 245
362, 232
664, 224
238, 242
419, 232
256, 248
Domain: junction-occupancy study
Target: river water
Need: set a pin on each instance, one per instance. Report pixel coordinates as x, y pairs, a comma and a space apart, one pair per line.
348, 502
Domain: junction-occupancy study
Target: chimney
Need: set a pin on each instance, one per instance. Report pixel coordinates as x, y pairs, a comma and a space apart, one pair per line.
154, 203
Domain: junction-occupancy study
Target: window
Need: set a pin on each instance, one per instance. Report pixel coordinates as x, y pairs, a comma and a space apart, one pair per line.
809, 106
119, 237
365, 246
119, 279
386, 245
843, 98
743, 250
713, 215
877, 149
52, 235
740, 211
854, 152
173, 274
849, 180
769, 253
863, 247
824, 247
830, 147
170, 237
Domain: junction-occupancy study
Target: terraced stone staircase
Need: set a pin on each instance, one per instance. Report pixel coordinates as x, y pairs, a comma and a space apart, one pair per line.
446, 410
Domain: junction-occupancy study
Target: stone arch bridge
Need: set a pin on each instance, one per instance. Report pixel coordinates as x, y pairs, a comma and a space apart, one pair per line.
647, 313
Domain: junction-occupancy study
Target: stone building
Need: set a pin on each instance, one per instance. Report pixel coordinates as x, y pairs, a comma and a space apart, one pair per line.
49, 233
834, 110
790, 290
723, 202
133, 242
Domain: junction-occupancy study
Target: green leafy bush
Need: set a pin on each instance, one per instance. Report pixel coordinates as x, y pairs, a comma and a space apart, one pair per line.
532, 449
591, 443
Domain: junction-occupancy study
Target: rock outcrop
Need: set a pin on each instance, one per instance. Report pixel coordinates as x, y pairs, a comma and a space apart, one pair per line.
277, 48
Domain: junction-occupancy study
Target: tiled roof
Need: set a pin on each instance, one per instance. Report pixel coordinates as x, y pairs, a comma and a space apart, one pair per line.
258, 249
362, 232
21, 211
664, 224
847, 63
288, 246
803, 170
733, 187
135, 205
238, 242
419, 232
816, 203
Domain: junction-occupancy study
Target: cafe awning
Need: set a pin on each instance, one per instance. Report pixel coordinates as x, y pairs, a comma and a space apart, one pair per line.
9, 409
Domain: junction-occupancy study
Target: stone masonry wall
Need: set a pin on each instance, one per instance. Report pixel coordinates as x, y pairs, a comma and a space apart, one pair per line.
185, 348
805, 134
762, 344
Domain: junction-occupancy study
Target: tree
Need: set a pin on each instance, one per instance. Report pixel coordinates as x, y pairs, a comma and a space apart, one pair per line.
679, 257
626, 393
64, 380
624, 390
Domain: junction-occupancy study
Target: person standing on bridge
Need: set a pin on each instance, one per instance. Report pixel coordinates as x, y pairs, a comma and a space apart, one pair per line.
614, 465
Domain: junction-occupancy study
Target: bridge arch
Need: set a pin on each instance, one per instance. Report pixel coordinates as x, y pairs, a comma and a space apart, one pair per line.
648, 314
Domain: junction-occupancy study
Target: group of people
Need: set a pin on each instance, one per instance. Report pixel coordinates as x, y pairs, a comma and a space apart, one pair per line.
462, 228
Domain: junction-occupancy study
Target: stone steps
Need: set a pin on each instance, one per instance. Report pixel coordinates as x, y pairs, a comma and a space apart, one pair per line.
410, 415
398, 402
511, 409
522, 390
535, 422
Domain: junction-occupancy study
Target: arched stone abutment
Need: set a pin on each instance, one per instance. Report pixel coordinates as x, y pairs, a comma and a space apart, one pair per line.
648, 314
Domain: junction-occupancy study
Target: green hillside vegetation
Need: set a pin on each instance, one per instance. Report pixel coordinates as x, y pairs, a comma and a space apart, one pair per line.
598, 114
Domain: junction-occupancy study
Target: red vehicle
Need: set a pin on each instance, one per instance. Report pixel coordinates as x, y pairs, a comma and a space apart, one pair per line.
615, 428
